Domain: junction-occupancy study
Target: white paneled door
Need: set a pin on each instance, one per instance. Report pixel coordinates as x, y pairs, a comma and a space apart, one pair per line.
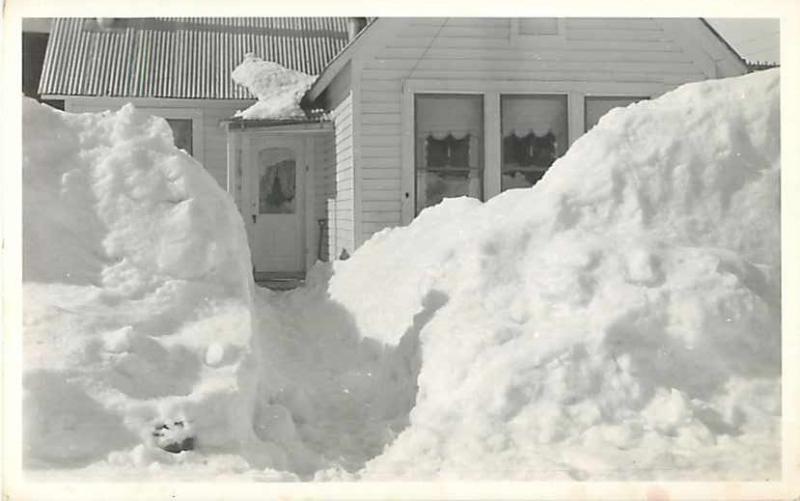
277, 204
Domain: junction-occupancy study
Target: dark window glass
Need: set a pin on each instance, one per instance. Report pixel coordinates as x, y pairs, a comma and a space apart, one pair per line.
448, 132
596, 106
276, 185
534, 130
182, 133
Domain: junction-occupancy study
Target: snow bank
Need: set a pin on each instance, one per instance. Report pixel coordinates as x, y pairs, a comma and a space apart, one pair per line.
279, 90
618, 320
137, 295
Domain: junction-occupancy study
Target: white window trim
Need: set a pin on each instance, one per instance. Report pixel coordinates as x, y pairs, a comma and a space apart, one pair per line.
491, 91
483, 133
198, 144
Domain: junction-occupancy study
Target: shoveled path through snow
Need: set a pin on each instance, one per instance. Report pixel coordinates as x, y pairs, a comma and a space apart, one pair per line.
328, 397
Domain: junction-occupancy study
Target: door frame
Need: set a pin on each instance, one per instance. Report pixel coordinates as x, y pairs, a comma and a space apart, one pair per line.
304, 178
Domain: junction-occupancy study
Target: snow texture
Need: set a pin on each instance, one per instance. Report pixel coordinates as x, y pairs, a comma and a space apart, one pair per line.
279, 90
618, 320
137, 292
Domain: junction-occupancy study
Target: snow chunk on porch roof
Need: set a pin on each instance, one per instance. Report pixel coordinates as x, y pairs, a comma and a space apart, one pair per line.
279, 89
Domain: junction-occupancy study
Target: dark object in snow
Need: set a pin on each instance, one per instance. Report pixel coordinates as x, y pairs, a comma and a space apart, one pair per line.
344, 255
172, 438
187, 444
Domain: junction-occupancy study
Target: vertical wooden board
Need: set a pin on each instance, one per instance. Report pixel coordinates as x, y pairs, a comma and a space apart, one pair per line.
230, 185
309, 235
357, 130
493, 160
576, 116
407, 158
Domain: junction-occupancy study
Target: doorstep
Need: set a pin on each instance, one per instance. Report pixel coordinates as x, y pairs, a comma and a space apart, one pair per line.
279, 281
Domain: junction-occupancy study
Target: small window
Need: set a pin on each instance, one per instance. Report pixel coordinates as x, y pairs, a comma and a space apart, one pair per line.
534, 130
536, 26
596, 107
182, 133
276, 181
449, 147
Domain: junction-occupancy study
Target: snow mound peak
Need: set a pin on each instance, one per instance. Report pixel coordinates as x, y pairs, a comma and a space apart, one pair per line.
620, 319
279, 90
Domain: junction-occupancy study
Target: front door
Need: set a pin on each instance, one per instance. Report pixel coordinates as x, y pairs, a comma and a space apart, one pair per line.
277, 205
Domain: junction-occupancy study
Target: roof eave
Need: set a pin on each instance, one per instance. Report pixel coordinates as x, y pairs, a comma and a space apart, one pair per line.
242, 123
724, 42
338, 62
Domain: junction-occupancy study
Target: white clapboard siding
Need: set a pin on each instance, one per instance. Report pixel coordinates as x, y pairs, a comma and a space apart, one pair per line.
340, 201
589, 56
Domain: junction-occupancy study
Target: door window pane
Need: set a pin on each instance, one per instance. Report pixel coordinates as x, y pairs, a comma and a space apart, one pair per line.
276, 181
182, 133
448, 133
596, 107
534, 130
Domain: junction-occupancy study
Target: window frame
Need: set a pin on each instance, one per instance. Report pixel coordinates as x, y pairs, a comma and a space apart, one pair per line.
588, 97
481, 164
491, 90
196, 116
565, 96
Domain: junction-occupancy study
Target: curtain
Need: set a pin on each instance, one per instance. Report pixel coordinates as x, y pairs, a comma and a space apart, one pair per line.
530, 149
448, 150
277, 183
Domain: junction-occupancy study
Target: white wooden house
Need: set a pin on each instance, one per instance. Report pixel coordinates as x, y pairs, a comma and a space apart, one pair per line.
414, 110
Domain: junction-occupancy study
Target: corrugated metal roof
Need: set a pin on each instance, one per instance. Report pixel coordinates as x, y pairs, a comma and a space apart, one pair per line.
190, 58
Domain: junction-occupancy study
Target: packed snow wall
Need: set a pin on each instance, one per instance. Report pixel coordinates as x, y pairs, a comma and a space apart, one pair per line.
619, 320
137, 295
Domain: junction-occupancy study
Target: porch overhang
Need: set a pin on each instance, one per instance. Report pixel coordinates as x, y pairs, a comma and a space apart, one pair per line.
297, 124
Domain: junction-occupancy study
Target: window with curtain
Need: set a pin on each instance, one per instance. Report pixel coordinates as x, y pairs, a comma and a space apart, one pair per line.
276, 181
534, 130
182, 133
597, 106
448, 132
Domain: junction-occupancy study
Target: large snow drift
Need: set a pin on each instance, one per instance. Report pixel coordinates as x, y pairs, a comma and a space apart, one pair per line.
618, 320
137, 294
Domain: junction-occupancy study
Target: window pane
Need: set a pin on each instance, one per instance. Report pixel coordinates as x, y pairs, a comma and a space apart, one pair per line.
182, 133
538, 26
276, 185
534, 130
596, 107
448, 146
434, 186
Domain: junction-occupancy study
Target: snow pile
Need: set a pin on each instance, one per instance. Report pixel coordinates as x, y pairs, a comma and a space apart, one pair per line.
621, 319
137, 295
279, 90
